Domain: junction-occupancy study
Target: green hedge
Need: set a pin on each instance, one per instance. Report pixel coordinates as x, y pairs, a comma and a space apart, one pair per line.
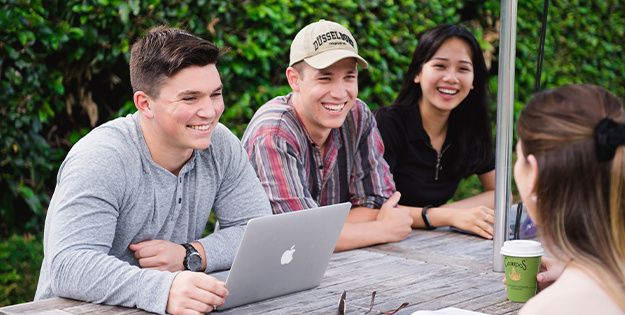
584, 44
20, 260
64, 64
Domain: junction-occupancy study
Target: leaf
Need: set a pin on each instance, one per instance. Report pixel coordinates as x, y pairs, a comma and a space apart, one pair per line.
25, 36
26, 191
124, 12
76, 32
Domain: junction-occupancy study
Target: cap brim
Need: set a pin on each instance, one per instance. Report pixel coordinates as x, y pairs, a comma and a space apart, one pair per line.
326, 59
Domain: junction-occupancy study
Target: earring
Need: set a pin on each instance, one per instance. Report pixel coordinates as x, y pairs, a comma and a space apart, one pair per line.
534, 198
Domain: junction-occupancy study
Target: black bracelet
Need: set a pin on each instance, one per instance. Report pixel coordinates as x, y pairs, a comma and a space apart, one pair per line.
426, 220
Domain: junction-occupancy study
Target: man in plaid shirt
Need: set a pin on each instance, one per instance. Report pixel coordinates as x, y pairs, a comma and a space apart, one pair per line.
319, 145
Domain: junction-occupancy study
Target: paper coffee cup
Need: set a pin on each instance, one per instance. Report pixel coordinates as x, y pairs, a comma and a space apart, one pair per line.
521, 259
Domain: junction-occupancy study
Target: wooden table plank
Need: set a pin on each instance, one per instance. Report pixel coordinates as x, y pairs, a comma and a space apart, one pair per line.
62, 306
48, 307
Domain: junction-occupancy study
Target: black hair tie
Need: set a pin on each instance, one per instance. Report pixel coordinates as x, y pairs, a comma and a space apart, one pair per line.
609, 135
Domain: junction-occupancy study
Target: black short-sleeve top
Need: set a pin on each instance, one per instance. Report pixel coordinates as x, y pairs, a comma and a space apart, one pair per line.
421, 174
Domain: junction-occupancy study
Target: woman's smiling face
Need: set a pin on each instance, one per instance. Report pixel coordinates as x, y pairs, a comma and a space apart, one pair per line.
447, 78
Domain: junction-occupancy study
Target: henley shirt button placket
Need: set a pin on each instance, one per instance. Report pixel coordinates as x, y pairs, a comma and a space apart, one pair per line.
179, 197
179, 190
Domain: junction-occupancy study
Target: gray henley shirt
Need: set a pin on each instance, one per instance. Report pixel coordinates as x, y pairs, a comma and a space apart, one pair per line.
110, 194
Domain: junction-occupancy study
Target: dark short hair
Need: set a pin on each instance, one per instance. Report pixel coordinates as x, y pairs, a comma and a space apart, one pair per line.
162, 53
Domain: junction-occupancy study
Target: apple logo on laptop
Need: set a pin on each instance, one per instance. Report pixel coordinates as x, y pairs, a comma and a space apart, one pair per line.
287, 256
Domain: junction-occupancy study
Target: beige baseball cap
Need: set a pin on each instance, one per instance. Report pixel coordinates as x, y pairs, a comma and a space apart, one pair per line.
323, 43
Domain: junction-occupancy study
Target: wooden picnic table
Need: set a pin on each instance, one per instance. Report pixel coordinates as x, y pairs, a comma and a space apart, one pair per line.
430, 270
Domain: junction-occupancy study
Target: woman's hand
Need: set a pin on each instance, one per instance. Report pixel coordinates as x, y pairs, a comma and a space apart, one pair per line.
479, 220
550, 271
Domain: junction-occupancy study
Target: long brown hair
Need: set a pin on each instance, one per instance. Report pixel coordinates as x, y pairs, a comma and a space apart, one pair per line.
580, 199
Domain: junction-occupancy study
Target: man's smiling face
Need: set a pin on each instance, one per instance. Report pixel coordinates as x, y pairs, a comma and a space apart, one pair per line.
325, 96
188, 108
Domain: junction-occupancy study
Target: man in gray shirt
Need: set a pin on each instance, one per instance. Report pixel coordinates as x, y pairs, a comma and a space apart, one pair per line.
133, 197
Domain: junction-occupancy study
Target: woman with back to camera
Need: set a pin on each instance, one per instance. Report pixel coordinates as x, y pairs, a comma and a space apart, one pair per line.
438, 131
570, 172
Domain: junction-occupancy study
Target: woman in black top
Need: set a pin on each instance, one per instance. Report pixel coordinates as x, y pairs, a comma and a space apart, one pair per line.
437, 131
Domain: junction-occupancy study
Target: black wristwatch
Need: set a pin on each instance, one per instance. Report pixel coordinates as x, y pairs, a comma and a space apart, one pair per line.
192, 260
426, 220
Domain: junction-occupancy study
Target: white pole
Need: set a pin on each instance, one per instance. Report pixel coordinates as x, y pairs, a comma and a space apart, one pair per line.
505, 111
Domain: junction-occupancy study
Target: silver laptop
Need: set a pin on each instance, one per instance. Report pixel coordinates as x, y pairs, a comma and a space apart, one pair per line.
283, 253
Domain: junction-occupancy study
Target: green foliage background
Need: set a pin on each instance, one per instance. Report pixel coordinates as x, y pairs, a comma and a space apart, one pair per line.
64, 70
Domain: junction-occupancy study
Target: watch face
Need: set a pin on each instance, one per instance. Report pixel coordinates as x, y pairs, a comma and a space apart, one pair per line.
194, 262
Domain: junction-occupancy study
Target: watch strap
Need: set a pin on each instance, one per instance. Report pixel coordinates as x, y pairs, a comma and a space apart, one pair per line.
426, 220
190, 250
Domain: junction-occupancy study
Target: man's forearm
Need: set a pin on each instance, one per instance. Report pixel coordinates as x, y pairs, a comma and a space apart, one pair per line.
362, 214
